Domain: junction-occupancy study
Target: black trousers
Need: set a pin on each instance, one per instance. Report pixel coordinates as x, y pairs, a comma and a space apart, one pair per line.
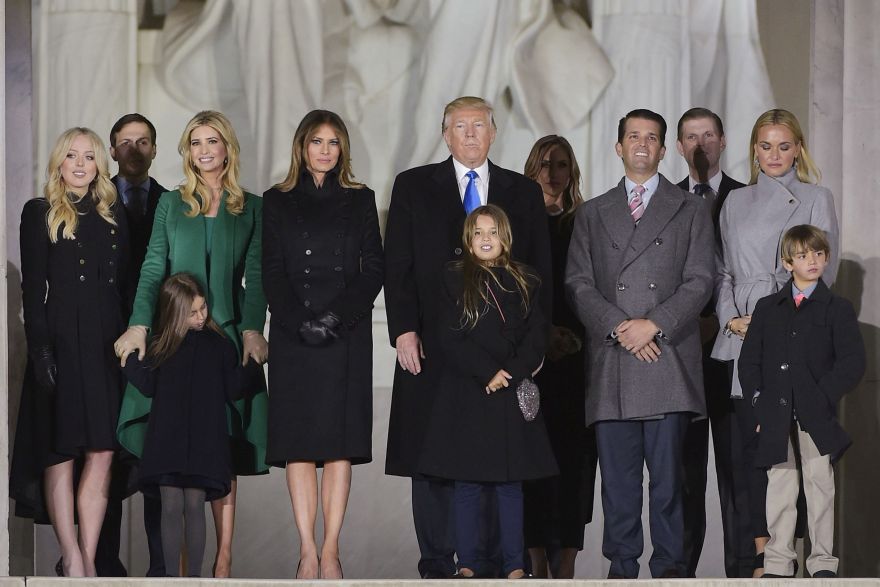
731, 473
432, 503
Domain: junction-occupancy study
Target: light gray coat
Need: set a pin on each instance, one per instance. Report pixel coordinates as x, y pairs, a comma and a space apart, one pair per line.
661, 270
753, 221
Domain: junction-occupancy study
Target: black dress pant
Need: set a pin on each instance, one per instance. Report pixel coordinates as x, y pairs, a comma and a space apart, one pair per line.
432, 503
730, 472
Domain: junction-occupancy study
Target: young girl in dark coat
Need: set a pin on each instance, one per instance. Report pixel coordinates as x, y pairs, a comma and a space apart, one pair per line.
191, 371
493, 338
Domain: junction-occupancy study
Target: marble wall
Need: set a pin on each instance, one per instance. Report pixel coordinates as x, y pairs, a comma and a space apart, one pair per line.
843, 117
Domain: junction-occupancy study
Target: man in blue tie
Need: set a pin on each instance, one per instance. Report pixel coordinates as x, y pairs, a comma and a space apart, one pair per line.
133, 147
423, 233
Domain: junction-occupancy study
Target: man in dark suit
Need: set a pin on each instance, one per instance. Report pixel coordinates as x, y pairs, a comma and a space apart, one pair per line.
425, 222
133, 147
640, 269
701, 142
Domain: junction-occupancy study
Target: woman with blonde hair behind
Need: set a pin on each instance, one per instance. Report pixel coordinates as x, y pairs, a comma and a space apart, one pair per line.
73, 255
557, 508
211, 228
782, 193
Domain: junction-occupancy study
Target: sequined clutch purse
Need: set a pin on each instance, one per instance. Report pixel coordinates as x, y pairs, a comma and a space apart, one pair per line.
528, 396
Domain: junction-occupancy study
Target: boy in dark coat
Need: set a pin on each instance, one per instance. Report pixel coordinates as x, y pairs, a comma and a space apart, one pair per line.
803, 351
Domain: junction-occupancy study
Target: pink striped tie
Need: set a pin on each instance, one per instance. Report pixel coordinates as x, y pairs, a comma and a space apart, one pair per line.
635, 205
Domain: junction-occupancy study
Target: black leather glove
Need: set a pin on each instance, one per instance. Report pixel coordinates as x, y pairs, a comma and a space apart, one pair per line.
45, 369
321, 331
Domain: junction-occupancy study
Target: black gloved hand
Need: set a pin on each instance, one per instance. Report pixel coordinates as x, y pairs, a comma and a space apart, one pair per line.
45, 369
321, 331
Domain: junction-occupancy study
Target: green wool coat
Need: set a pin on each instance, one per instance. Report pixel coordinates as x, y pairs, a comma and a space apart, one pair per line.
178, 244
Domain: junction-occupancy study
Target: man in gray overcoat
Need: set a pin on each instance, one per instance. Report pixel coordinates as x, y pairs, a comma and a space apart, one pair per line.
640, 269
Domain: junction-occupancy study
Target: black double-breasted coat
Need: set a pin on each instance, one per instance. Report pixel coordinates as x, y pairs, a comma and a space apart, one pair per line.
473, 435
423, 233
802, 361
187, 441
73, 301
322, 251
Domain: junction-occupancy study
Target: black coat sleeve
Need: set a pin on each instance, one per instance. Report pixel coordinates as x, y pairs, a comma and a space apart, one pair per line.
284, 304
402, 304
34, 242
539, 257
533, 343
356, 300
141, 374
240, 381
752, 353
849, 352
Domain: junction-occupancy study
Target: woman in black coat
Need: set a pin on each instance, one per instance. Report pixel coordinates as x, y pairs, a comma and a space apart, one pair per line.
556, 509
322, 270
73, 256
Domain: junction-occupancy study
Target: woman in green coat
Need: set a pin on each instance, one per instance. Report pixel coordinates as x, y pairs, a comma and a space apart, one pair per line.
218, 240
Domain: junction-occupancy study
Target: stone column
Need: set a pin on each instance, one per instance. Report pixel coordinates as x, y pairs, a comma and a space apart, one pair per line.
845, 123
16, 142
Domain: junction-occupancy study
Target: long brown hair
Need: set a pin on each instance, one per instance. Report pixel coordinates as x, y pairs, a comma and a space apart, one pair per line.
571, 197
194, 191
476, 273
62, 213
807, 171
307, 128
175, 303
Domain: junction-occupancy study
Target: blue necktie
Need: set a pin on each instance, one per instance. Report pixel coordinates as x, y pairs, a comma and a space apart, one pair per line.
471, 195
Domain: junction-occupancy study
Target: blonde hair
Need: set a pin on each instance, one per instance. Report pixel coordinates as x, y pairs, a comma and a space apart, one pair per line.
467, 102
307, 129
571, 197
194, 183
477, 273
807, 171
62, 212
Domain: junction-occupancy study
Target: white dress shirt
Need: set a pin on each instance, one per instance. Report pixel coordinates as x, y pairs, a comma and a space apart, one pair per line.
482, 180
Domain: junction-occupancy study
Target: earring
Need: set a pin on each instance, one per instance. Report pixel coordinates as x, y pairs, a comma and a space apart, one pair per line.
225, 161
755, 162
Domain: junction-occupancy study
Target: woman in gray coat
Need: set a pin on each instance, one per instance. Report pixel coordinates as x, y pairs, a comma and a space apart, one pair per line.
782, 193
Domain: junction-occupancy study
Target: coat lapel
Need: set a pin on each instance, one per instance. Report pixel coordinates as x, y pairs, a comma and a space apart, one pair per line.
499, 186
445, 183
616, 218
781, 204
663, 206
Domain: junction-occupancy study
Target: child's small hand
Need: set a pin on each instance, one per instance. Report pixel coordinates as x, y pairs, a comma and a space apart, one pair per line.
501, 379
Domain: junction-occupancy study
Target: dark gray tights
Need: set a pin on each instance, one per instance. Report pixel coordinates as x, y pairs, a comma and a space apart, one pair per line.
179, 503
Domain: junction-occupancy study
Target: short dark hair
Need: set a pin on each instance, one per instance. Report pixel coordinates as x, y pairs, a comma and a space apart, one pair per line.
646, 115
127, 119
695, 113
801, 238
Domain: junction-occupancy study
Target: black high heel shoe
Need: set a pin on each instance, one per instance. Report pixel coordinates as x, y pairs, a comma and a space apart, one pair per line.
59, 567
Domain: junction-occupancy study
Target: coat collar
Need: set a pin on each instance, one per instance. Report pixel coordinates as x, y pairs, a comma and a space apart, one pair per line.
445, 180
615, 214
821, 294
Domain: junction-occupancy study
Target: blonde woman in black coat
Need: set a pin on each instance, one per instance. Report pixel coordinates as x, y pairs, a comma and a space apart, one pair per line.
322, 269
73, 258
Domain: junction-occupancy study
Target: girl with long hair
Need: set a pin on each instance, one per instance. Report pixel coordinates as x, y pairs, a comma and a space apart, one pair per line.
211, 228
494, 338
74, 244
191, 371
